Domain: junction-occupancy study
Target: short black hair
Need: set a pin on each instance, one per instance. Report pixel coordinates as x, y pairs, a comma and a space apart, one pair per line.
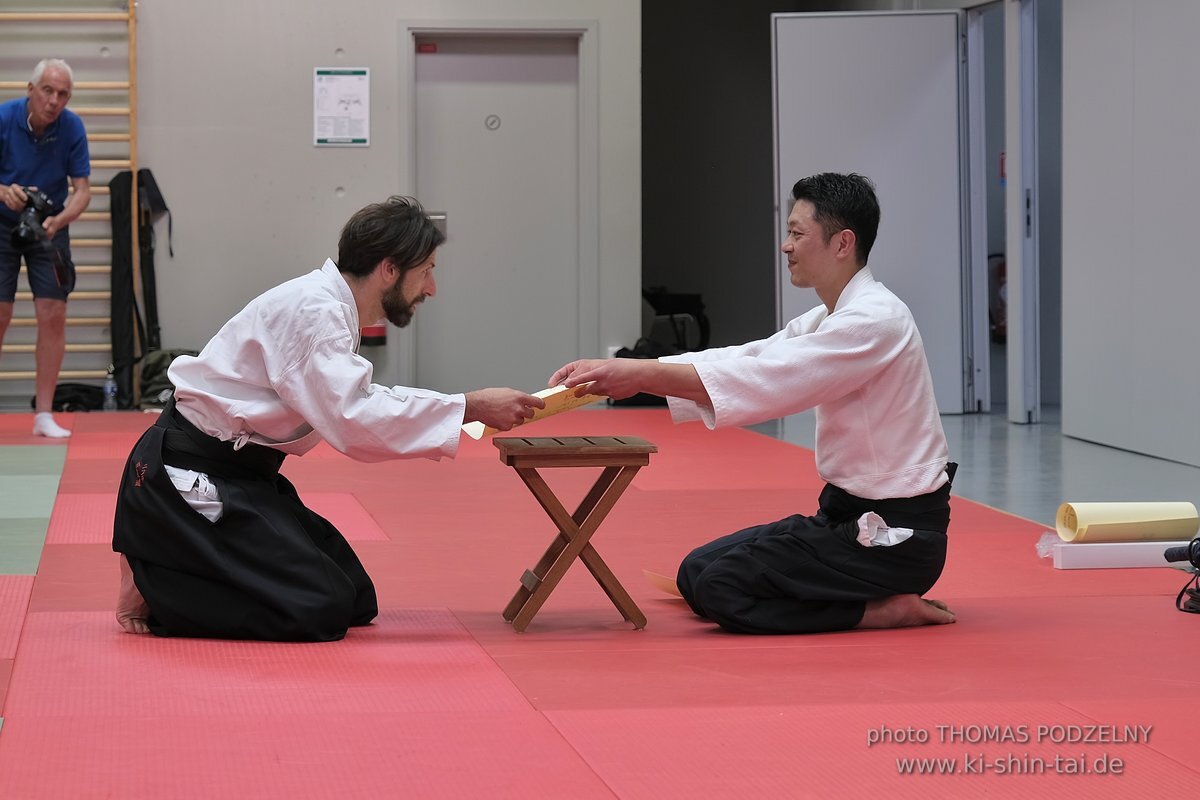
396, 229
842, 202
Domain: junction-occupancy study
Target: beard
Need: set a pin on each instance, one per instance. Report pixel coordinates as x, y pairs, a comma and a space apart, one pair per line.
399, 311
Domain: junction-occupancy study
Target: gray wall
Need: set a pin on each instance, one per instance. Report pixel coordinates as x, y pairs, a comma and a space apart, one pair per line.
1130, 172
226, 125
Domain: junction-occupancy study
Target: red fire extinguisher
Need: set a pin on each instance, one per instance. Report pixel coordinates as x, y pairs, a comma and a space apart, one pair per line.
374, 335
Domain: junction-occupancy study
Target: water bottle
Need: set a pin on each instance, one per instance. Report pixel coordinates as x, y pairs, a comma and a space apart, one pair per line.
110, 389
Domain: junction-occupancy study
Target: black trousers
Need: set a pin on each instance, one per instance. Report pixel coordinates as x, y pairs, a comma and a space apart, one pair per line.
806, 574
268, 569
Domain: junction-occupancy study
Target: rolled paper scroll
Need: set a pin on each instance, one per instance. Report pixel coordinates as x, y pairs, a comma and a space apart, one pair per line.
1126, 522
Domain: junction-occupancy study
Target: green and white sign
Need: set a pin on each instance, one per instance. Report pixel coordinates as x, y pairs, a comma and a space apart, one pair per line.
341, 107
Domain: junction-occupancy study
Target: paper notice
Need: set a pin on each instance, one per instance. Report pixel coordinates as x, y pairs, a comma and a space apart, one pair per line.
1126, 522
558, 399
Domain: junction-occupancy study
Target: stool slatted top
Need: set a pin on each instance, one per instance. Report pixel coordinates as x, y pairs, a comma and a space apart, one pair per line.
564, 450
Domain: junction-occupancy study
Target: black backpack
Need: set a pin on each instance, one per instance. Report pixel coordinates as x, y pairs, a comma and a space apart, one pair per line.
75, 397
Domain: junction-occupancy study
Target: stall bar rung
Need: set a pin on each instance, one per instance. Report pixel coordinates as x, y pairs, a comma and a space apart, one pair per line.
108, 137
90, 322
71, 348
86, 269
64, 16
101, 111
110, 163
94, 216
95, 190
87, 295
75, 87
66, 374
91, 242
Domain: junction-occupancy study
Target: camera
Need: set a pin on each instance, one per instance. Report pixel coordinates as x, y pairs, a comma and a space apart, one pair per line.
29, 230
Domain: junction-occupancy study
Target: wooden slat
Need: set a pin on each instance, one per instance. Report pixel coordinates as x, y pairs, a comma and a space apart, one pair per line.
110, 163
64, 16
85, 295
82, 322
71, 348
108, 137
66, 374
86, 269
77, 86
95, 216
102, 189
91, 242
100, 111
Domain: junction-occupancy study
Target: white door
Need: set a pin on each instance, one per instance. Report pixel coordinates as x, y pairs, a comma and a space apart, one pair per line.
497, 151
882, 94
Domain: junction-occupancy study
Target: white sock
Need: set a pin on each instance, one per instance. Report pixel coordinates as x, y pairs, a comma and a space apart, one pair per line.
44, 425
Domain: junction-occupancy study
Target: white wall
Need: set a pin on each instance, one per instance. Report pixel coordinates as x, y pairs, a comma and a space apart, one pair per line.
225, 100
1131, 374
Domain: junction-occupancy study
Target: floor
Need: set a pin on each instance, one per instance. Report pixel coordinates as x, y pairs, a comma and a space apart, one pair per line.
1066, 683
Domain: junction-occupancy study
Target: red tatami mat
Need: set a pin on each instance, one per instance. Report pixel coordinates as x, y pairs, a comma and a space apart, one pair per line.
408, 661
440, 698
739, 752
14, 600
346, 514
288, 756
82, 518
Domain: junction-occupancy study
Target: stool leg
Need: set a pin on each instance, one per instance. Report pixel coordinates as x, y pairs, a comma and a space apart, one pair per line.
608, 488
540, 490
612, 587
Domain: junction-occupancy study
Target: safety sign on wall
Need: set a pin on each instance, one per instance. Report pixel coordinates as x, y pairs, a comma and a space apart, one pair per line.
341, 106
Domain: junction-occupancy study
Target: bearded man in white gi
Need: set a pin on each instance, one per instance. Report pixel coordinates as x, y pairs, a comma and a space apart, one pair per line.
214, 541
878, 541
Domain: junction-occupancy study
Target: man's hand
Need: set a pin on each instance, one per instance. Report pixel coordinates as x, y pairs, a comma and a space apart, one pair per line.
132, 611
14, 197
617, 378
51, 225
502, 409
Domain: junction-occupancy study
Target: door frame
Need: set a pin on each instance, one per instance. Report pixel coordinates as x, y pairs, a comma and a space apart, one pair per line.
1024, 209
585, 33
978, 384
952, 398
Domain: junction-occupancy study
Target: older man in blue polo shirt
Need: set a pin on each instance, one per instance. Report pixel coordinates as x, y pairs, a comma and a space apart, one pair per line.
43, 146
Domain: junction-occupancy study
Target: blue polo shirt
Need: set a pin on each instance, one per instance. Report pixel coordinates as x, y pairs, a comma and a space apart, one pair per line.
46, 163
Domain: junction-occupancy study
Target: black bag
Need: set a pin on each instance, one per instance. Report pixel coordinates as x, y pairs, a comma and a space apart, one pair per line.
75, 397
157, 388
153, 206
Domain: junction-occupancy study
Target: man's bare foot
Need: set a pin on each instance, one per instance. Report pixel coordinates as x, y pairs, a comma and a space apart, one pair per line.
904, 611
132, 611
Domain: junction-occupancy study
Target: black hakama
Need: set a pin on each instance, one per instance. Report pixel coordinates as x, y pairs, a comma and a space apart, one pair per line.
806, 574
268, 569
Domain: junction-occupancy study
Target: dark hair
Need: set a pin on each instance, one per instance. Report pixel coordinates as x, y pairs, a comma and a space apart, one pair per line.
842, 202
398, 228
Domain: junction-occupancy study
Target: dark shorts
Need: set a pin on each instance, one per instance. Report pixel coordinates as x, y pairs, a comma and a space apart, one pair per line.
40, 264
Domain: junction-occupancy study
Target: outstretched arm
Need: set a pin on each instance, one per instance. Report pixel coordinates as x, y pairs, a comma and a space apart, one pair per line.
622, 377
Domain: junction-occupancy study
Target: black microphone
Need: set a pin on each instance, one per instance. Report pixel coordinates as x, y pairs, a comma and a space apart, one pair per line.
1187, 552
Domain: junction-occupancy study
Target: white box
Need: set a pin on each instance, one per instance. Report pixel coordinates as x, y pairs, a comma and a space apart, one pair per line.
1102, 555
